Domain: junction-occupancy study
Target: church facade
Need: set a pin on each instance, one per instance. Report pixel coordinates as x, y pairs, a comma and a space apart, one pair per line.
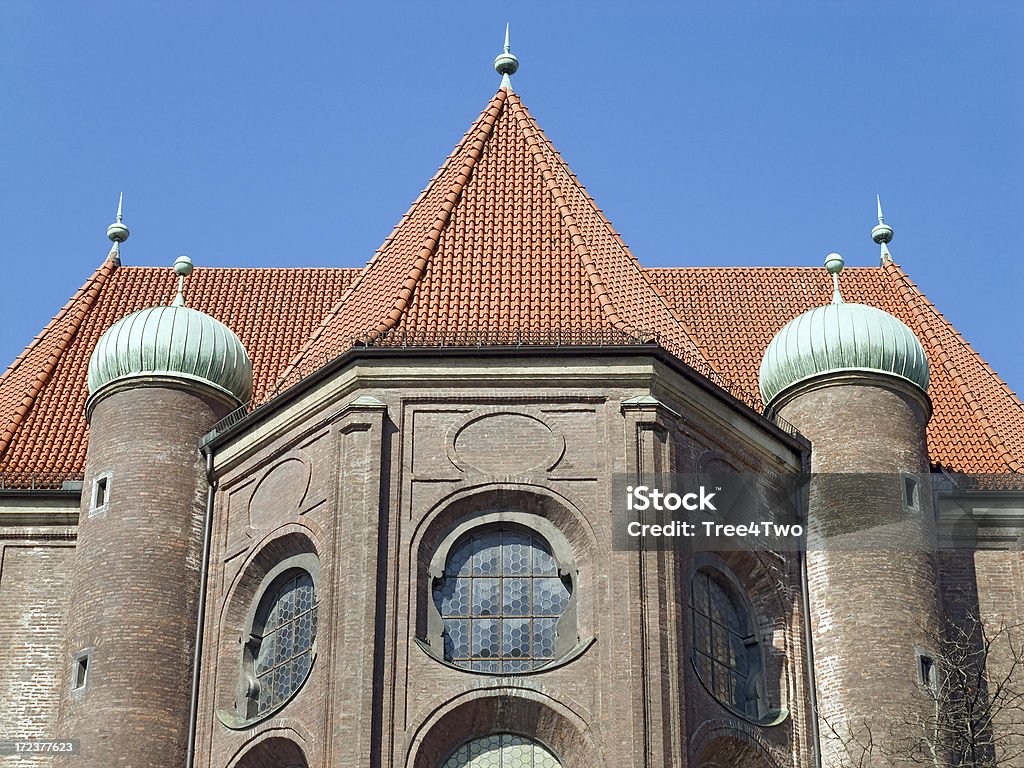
366, 517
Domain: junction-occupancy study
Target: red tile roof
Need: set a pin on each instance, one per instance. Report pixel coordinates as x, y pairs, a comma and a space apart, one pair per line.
977, 423
43, 393
504, 236
504, 239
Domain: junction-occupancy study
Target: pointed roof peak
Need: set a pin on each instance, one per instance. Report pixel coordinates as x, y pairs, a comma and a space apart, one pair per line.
504, 245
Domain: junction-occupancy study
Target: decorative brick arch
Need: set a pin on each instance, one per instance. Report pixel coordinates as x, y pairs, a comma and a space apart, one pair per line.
280, 544
291, 545
724, 744
523, 712
536, 499
279, 748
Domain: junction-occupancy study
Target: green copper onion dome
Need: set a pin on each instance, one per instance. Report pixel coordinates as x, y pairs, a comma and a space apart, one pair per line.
173, 341
841, 337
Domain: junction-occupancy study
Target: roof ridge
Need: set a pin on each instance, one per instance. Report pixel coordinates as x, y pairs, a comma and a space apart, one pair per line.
583, 189
634, 262
604, 300
915, 298
283, 270
83, 298
492, 110
433, 236
46, 329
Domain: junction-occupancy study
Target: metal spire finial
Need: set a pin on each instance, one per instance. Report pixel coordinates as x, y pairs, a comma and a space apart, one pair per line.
834, 264
118, 232
882, 234
182, 268
506, 64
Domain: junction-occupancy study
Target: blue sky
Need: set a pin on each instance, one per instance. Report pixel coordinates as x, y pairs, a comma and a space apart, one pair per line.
711, 133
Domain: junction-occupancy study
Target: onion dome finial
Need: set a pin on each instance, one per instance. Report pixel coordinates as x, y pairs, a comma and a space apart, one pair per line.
182, 268
882, 233
506, 64
834, 264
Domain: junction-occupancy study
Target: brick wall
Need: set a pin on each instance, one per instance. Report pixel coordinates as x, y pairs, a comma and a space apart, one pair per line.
382, 485
34, 577
873, 590
134, 585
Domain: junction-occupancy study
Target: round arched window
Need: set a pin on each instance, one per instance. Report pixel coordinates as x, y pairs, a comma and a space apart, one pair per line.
500, 599
725, 650
502, 750
281, 642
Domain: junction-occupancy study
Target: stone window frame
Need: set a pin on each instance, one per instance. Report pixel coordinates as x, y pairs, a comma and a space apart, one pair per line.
725, 577
568, 645
100, 482
273, 580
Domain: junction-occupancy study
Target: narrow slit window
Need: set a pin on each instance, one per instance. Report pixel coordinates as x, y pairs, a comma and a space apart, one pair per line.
80, 672
100, 493
910, 493
926, 667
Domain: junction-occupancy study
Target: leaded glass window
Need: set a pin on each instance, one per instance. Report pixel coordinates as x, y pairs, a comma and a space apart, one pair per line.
285, 640
723, 645
502, 750
500, 599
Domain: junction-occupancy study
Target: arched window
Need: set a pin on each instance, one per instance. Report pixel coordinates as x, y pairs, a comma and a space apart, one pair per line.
279, 651
503, 601
501, 750
725, 651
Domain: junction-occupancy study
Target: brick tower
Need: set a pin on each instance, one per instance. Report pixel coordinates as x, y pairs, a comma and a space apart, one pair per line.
158, 380
854, 380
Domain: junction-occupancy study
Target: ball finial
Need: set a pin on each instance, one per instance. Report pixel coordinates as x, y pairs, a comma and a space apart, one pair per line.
118, 232
834, 263
506, 63
881, 233
183, 266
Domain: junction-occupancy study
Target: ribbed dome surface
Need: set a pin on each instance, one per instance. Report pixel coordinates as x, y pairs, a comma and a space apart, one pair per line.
172, 341
841, 337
